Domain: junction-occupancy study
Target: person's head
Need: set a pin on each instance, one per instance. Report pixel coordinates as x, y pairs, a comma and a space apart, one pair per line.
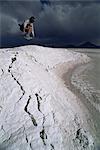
32, 19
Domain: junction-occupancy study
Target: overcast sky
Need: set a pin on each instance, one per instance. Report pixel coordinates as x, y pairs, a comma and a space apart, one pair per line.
73, 21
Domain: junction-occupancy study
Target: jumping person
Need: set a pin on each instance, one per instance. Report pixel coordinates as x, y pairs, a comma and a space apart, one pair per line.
27, 27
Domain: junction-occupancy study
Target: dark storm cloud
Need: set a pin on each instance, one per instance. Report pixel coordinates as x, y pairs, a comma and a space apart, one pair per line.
74, 21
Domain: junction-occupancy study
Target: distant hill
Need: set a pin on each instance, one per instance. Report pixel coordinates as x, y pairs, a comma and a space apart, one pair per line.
88, 45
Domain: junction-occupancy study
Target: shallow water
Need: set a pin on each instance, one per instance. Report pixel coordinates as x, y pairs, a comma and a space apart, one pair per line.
94, 74
86, 78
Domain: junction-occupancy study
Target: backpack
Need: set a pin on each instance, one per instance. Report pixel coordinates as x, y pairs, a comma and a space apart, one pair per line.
21, 26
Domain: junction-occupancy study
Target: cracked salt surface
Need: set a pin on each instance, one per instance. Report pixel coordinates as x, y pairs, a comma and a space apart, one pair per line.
37, 111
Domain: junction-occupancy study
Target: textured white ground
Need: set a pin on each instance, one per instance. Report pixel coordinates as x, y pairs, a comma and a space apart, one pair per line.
37, 111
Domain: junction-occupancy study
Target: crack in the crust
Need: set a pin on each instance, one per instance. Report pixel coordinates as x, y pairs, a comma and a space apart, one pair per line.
38, 102
30, 115
53, 114
23, 91
43, 135
12, 135
31, 146
34, 59
47, 69
9, 70
81, 138
26, 137
2, 128
0, 108
52, 146
8, 139
2, 72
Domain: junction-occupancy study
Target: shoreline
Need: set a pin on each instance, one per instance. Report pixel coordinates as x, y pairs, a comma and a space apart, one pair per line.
82, 101
94, 113
65, 76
